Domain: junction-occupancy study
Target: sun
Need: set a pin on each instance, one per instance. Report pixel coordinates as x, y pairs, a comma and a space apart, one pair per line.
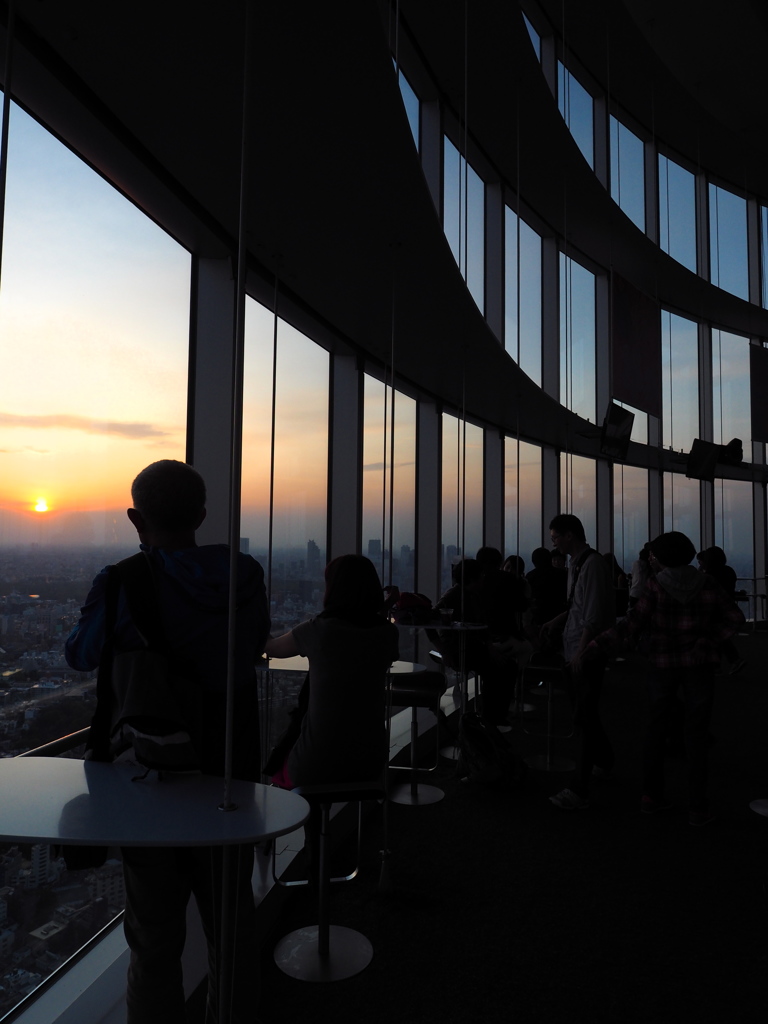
41, 505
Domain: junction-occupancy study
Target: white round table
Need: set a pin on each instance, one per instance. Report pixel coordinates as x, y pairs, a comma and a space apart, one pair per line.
88, 803
297, 663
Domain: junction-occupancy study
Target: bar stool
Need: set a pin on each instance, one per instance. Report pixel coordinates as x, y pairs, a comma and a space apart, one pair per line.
420, 690
548, 762
322, 951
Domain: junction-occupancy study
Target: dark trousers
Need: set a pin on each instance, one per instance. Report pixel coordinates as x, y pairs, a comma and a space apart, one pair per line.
158, 884
698, 686
594, 747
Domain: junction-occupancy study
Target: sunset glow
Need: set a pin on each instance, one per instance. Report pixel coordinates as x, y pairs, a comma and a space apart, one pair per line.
41, 505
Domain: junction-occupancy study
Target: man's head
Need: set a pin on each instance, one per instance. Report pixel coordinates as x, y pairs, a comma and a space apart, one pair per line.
672, 549
567, 533
168, 499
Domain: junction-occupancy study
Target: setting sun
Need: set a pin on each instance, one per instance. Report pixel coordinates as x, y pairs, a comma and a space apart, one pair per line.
41, 505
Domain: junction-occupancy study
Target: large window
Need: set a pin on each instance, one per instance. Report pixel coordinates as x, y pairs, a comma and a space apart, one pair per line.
677, 212
412, 108
578, 491
682, 507
680, 381
577, 338
462, 492
285, 464
630, 513
94, 322
522, 499
734, 528
578, 110
389, 482
464, 219
628, 172
730, 389
522, 294
728, 241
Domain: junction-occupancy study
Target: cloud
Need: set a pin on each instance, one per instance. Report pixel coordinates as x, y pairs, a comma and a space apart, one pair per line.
61, 421
378, 466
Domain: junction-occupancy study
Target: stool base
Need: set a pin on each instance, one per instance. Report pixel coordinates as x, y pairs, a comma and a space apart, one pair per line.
349, 952
424, 795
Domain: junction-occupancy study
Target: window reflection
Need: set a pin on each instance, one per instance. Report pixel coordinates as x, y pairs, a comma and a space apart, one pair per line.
412, 108
534, 37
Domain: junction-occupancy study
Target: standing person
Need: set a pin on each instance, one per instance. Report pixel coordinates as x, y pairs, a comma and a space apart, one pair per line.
713, 562
191, 591
350, 647
590, 611
687, 618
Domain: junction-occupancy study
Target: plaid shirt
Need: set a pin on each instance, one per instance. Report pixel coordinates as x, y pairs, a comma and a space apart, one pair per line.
680, 634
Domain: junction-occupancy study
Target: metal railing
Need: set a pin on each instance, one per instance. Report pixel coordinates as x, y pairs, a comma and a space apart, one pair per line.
60, 746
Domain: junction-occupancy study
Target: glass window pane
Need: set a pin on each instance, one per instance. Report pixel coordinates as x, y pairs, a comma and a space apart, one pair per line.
412, 108
682, 508
389, 483
94, 322
630, 513
728, 241
677, 212
578, 491
464, 219
297, 554
522, 499
639, 424
628, 172
577, 108
764, 253
680, 381
730, 389
734, 528
522, 282
534, 36
462, 492
577, 338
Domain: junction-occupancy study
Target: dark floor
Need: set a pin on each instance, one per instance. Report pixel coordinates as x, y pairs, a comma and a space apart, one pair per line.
505, 908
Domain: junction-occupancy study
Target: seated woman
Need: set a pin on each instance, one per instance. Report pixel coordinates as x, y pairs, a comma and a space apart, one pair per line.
350, 647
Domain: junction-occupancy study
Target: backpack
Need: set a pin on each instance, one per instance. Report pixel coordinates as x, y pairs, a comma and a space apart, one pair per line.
142, 701
486, 757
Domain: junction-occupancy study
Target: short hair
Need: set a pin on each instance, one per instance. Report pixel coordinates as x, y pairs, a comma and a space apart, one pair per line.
170, 495
541, 558
712, 558
352, 588
566, 523
488, 558
673, 549
515, 564
465, 572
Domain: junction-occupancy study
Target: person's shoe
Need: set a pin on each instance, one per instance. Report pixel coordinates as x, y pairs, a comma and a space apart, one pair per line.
601, 773
567, 800
504, 727
737, 666
650, 806
699, 818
